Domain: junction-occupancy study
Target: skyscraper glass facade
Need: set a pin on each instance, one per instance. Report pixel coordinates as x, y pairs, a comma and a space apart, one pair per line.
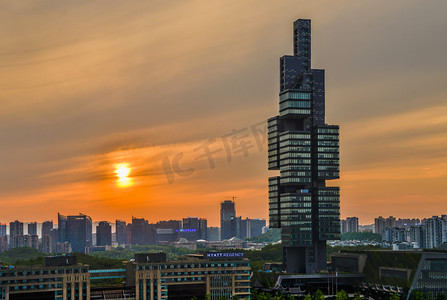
306, 152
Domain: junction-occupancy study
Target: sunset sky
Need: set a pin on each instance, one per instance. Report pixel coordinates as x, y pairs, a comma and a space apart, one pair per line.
94, 89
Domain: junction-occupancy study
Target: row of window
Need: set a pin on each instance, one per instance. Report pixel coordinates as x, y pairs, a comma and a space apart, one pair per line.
328, 155
300, 155
293, 198
294, 104
294, 95
328, 162
295, 161
327, 137
295, 111
273, 139
294, 142
328, 192
42, 272
34, 287
331, 210
295, 180
328, 198
294, 136
295, 167
329, 216
328, 168
272, 121
294, 149
189, 266
295, 204
328, 143
295, 174
297, 223
296, 211
327, 149
328, 130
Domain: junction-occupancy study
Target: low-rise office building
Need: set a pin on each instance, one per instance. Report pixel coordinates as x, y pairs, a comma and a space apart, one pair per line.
60, 278
405, 271
219, 274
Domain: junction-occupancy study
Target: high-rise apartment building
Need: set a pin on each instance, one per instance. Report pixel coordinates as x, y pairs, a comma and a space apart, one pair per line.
434, 230
16, 228
103, 234
121, 232
3, 230
32, 228
306, 152
3, 243
352, 224
139, 231
47, 228
47, 244
16, 238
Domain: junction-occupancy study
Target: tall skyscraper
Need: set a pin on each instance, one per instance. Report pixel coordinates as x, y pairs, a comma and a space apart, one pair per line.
305, 150
79, 232
103, 234
227, 216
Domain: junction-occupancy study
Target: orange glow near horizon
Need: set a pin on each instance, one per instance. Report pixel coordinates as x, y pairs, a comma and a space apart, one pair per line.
122, 171
127, 114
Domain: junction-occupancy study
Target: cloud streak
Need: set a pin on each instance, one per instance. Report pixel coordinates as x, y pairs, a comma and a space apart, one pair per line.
84, 82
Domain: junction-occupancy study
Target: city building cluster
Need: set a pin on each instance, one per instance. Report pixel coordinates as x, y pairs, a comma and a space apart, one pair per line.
77, 233
403, 234
427, 233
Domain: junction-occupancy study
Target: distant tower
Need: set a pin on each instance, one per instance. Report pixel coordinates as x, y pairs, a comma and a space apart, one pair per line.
305, 150
103, 234
352, 224
61, 228
139, 231
3, 230
16, 234
79, 232
121, 232
47, 228
227, 216
32, 228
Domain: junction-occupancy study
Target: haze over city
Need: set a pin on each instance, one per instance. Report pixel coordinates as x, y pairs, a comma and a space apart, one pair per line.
110, 112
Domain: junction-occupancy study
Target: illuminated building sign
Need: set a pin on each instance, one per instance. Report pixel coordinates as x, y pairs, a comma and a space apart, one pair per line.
224, 255
187, 230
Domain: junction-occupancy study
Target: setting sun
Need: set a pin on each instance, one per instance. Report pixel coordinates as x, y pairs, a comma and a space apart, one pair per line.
122, 171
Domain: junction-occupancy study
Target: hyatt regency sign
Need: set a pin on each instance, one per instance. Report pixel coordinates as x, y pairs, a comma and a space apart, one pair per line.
224, 255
